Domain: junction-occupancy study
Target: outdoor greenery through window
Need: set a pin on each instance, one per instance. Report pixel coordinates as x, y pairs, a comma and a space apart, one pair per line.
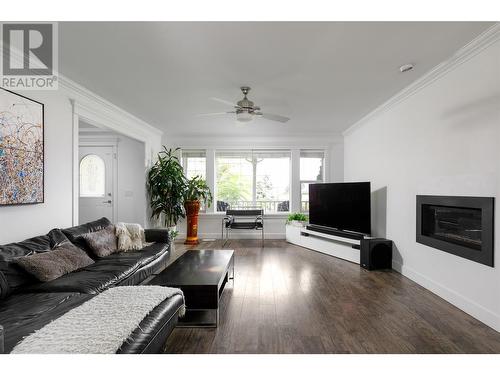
256, 178
311, 171
253, 179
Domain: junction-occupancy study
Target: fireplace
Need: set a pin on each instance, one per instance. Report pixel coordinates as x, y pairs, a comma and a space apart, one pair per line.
458, 225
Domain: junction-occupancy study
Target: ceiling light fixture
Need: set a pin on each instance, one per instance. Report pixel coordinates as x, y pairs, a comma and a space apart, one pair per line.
244, 116
406, 68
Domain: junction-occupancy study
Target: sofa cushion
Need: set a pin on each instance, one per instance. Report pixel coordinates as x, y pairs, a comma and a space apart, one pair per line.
103, 274
14, 275
147, 270
4, 287
157, 235
102, 242
151, 334
22, 314
50, 265
93, 279
142, 257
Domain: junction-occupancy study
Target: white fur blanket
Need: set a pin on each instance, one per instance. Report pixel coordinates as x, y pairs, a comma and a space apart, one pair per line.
100, 325
130, 236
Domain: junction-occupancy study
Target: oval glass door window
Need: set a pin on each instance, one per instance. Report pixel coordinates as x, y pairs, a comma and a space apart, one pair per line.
92, 176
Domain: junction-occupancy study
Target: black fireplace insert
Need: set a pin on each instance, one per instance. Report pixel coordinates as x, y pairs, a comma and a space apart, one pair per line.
463, 226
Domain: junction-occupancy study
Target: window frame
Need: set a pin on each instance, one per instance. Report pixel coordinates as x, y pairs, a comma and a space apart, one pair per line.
211, 152
184, 159
184, 164
254, 153
103, 163
323, 174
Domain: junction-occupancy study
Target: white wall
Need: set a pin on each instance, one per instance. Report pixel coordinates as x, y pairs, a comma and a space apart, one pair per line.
336, 162
131, 181
63, 108
210, 226
442, 140
20, 222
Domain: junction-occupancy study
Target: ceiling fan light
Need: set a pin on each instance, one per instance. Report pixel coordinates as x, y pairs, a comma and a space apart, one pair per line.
244, 117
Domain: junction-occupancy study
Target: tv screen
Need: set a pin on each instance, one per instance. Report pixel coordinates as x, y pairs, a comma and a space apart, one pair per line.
343, 206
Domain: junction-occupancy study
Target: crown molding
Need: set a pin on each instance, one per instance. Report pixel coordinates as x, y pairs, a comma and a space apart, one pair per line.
85, 98
471, 49
89, 102
271, 141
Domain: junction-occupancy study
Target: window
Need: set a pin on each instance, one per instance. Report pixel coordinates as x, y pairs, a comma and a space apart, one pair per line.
253, 179
194, 163
311, 171
92, 176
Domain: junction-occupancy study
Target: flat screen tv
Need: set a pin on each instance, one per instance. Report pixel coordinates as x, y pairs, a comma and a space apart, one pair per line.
343, 206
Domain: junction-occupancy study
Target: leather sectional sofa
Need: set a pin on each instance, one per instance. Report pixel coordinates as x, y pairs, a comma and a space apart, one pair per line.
26, 304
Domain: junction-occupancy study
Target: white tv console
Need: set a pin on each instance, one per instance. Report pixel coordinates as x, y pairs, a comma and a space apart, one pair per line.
336, 246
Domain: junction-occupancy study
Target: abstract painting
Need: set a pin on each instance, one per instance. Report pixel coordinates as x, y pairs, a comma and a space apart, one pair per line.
21, 150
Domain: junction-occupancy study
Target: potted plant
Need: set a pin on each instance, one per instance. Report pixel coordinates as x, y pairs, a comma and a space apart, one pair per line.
197, 191
297, 219
166, 188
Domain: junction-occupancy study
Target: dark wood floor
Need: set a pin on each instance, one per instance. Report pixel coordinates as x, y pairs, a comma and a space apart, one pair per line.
287, 299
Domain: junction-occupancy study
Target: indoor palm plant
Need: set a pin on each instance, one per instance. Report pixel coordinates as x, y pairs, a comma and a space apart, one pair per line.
197, 191
167, 186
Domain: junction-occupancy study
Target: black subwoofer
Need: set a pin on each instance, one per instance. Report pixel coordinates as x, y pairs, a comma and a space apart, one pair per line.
376, 254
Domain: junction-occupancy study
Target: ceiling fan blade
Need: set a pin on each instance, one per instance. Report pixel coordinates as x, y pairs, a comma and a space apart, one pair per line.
273, 117
214, 114
224, 101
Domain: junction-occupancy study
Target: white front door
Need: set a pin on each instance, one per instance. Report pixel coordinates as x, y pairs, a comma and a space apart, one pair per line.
96, 183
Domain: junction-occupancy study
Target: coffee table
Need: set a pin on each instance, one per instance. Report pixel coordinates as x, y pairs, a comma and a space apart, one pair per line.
202, 276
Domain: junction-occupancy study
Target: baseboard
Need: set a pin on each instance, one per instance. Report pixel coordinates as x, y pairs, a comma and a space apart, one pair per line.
244, 235
470, 307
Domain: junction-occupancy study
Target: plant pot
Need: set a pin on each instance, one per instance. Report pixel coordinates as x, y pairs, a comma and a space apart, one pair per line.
192, 213
296, 223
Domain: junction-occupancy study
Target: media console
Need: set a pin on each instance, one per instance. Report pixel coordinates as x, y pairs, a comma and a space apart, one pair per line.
340, 245
335, 232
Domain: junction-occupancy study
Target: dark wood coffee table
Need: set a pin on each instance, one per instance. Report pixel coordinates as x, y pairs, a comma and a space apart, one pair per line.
201, 275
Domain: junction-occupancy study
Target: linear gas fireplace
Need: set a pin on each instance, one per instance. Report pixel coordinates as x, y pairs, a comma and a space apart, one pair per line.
458, 225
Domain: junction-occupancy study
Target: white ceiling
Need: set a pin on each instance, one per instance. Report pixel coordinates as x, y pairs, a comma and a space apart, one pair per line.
325, 76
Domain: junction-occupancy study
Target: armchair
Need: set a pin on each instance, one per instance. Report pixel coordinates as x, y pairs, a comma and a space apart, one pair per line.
232, 220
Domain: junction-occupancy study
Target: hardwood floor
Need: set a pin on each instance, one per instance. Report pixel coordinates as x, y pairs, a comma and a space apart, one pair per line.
287, 299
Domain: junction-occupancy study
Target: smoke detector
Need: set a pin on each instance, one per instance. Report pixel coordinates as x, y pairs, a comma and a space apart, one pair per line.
405, 68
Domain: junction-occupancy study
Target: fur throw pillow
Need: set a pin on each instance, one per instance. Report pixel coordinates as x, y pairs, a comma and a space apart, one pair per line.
130, 236
103, 242
50, 265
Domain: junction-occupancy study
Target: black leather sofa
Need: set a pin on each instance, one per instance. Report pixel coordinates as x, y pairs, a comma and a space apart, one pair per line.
26, 304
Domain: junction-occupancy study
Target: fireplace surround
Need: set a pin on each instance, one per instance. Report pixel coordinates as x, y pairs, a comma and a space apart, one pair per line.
463, 226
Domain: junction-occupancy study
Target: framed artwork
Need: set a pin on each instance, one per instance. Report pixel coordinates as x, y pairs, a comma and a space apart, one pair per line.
21, 150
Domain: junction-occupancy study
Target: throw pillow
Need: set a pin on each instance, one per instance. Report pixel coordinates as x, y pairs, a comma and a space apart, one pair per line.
53, 264
130, 236
103, 242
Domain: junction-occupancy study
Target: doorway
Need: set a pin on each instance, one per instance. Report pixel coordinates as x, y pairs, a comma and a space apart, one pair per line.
97, 183
111, 178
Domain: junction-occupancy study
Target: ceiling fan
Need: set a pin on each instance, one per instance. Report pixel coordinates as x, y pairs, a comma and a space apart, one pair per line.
245, 109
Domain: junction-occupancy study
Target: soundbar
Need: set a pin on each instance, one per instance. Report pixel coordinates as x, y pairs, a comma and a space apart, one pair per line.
335, 232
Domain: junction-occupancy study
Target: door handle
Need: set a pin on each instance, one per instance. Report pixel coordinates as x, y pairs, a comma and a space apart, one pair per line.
107, 201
